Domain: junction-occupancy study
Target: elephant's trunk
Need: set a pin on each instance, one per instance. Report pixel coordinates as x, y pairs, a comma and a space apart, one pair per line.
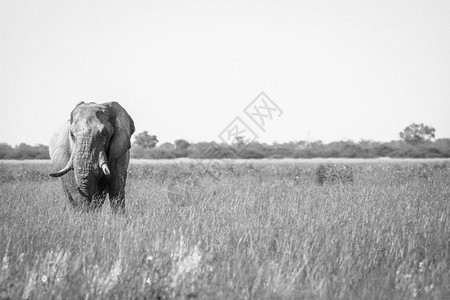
86, 169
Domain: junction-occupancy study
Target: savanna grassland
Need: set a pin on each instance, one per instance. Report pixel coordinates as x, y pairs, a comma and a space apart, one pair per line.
232, 231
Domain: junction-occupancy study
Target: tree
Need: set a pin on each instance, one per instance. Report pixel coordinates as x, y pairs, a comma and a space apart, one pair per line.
167, 146
239, 142
181, 144
417, 133
6, 151
145, 140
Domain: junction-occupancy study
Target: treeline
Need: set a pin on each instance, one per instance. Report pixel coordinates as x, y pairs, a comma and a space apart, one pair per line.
343, 149
23, 151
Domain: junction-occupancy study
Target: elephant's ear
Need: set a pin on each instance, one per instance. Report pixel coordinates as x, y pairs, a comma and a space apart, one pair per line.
123, 129
59, 147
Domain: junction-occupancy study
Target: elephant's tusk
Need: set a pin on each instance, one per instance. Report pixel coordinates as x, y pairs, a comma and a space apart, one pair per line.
62, 171
66, 169
102, 163
105, 169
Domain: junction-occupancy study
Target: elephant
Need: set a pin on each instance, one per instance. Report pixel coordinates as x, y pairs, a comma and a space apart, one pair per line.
91, 152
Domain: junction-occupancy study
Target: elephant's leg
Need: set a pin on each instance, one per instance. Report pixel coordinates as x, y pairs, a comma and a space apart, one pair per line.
117, 194
117, 183
100, 196
117, 198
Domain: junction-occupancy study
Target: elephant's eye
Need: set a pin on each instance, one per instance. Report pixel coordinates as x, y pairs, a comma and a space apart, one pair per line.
72, 136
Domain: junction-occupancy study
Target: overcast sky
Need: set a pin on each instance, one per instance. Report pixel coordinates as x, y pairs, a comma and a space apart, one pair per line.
186, 69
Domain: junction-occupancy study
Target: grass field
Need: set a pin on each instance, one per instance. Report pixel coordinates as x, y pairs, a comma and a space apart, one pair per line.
258, 230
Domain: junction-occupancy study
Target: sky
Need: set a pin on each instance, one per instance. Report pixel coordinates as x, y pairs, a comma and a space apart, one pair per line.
187, 69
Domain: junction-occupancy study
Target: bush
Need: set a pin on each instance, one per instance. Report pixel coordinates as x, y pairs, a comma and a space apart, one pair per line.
347, 149
23, 151
334, 174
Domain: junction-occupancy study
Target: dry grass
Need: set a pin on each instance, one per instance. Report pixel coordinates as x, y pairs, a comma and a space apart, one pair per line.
264, 231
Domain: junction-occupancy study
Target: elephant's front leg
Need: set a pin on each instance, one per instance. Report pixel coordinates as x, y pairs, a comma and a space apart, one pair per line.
117, 183
100, 196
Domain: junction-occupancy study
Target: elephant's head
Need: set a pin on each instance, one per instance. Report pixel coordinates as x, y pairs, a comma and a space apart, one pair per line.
98, 135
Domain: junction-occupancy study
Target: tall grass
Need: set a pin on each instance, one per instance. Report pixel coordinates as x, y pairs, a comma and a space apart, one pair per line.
260, 231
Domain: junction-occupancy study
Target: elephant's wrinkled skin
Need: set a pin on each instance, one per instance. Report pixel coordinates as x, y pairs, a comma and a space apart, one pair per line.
91, 152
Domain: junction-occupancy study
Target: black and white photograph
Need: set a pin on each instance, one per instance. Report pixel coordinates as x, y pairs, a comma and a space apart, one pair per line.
241, 149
